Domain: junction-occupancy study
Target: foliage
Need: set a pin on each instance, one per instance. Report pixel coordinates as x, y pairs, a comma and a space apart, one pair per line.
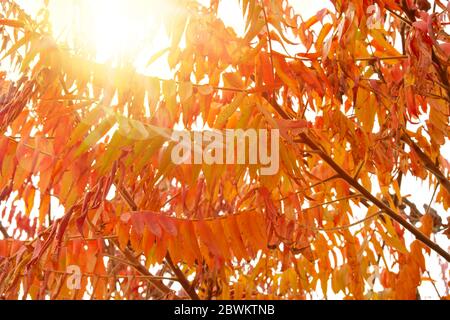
355, 112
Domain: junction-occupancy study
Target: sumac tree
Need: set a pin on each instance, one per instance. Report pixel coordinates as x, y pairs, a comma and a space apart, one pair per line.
362, 105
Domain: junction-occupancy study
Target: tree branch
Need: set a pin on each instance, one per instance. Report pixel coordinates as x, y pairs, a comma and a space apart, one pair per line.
380, 204
158, 284
351, 181
182, 279
180, 275
429, 164
4, 232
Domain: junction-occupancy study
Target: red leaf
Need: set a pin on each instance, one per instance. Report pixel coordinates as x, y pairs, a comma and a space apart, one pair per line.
152, 223
168, 224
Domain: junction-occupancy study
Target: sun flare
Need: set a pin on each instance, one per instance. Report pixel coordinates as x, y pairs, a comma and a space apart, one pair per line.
118, 28
112, 30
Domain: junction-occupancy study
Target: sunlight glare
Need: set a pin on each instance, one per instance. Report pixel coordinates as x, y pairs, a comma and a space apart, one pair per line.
119, 27
113, 30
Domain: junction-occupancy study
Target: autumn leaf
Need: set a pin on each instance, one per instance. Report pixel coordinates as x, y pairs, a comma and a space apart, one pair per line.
90, 118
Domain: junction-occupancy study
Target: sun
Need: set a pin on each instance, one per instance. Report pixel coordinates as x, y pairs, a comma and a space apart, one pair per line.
112, 30
123, 31
117, 28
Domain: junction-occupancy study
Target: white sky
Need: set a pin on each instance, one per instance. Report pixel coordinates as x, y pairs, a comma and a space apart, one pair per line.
119, 26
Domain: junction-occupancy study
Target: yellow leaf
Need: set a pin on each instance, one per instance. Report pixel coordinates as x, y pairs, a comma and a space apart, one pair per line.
228, 111
185, 91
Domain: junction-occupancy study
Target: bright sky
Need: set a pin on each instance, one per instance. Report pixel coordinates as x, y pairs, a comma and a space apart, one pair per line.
115, 28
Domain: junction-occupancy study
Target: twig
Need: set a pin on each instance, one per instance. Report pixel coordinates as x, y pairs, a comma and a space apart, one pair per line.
432, 198
429, 164
355, 184
371, 58
105, 276
357, 195
339, 228
400, 17
380, 204
270, 40
434, 285
133, 262
4, 232
181, 277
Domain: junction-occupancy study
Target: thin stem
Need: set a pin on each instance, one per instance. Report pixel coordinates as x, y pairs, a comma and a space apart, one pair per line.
181, 277
4, 232
133, 262
340, 228
357, 195
105, 276
355, 184
371, 58
380, 204
429, 164
270, 40
432, 198
399, 17
434, 285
